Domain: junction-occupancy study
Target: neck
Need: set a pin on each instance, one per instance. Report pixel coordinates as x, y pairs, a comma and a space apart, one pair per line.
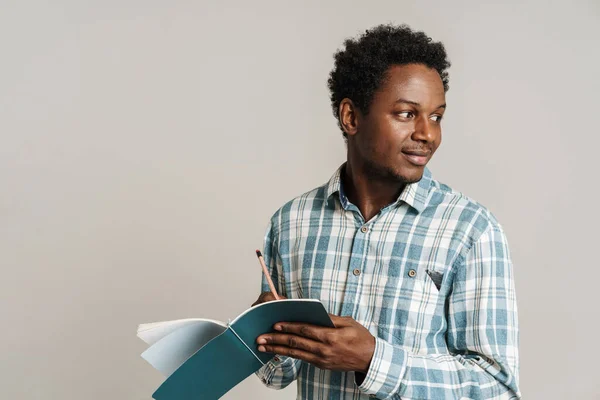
369, 193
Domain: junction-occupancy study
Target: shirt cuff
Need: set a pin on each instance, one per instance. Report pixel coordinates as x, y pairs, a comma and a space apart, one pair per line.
386, 371
267, 371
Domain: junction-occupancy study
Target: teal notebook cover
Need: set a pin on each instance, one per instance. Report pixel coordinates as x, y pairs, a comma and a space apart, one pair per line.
226, 355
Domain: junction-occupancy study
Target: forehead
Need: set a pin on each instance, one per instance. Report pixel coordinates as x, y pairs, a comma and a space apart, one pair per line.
412, 82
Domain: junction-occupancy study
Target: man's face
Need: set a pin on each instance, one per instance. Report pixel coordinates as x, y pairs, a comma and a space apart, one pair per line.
402, 130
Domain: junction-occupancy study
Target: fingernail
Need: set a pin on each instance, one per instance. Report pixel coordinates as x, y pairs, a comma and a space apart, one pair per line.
261, 348
277, 327
262, 341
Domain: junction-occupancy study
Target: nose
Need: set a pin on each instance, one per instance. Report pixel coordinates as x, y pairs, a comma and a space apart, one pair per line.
424, 130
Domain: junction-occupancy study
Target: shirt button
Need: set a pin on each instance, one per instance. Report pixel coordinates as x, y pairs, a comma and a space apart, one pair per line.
276, 359
412, 273
356, 272
364, 229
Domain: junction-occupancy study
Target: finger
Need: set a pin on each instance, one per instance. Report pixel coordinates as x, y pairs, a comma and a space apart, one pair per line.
290, 352
337, 321
263, 298
257, 302
340, 321
313, 332
291, 341
267, 296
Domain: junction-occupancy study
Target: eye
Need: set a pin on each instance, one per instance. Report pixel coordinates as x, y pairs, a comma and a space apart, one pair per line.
436, 118
406, 114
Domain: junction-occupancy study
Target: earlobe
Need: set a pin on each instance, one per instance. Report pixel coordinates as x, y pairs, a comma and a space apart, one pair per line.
348, 117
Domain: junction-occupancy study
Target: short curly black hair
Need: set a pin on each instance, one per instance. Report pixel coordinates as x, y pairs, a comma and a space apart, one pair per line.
360, 68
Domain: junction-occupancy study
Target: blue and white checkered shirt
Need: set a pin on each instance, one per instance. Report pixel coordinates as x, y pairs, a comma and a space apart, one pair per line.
430, 276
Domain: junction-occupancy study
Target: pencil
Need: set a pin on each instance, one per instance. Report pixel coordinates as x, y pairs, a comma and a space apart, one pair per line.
267, 275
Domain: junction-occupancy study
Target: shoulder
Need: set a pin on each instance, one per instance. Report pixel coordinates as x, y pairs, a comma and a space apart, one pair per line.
460, 211
301, 207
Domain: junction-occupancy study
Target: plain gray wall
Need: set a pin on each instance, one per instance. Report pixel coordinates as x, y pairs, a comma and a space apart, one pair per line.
145, 144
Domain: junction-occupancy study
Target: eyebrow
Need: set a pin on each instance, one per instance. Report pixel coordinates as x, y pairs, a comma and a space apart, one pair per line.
414, 103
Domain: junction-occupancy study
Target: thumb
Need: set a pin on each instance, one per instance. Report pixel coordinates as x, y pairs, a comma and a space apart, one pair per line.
338, 321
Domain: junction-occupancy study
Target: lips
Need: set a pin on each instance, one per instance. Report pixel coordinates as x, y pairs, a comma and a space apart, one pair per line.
417, 157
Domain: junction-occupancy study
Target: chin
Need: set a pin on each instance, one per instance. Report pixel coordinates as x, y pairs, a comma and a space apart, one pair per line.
408, 175
408, 179
405, 174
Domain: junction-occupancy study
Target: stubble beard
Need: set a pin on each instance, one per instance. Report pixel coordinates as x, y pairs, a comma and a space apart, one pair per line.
384, 173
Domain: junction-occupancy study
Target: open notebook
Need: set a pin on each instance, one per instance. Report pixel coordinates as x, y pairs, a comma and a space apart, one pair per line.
204, 359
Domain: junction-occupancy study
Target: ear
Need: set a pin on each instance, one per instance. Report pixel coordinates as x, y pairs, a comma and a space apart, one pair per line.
348, 115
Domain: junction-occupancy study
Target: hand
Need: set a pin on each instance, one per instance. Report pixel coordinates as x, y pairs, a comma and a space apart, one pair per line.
347, 347
266, 296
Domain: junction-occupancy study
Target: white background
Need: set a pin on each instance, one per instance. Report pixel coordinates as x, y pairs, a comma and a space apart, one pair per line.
145, 144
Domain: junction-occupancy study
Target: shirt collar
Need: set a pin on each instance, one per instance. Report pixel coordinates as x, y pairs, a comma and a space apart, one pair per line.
414, 194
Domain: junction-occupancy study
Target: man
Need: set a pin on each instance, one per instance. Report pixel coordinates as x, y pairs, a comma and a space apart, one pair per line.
417, 277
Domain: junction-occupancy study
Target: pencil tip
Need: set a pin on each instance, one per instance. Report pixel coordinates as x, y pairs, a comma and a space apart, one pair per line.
258, 253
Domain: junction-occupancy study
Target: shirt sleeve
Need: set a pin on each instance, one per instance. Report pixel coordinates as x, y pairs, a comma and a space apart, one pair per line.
280, 371
482, 337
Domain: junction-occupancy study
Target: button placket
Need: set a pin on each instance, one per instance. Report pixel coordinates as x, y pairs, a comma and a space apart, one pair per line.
355, 268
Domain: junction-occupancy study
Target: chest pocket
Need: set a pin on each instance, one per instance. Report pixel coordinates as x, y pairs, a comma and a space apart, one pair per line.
409, 303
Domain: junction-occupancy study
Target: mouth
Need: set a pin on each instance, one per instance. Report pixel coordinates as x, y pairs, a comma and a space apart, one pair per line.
418, 158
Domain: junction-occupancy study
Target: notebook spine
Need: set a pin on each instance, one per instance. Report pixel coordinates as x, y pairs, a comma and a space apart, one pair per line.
244, 343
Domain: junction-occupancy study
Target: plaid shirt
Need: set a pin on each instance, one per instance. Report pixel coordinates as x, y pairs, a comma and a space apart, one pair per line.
430, 276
